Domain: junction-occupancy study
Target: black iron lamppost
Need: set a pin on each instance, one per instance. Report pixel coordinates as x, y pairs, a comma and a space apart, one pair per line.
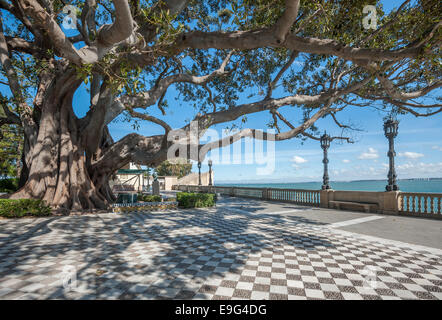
210, 172
325, 144
199, 173
391, 129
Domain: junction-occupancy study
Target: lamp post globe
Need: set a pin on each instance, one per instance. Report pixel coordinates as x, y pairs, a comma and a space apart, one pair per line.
325, 141
391, 127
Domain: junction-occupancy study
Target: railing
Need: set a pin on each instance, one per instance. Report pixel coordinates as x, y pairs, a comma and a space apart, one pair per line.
420, 204
257, 193
302, 197
403, 203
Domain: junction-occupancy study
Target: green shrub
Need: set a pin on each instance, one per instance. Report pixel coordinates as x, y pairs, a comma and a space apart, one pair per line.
195, 200
9, 185
149, 198
16, 208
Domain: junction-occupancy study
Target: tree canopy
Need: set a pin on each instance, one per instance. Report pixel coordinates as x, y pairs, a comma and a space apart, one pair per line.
177, 168
10, 151
314, 57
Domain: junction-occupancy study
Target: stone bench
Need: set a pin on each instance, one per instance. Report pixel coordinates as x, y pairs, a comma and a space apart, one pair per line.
367, 206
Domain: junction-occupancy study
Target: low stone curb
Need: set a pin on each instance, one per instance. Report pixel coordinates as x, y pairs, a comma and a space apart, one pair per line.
144, 206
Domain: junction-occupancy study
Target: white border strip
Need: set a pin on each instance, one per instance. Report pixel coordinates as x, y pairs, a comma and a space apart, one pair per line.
331, 227
250, 212
354, 221
396, 243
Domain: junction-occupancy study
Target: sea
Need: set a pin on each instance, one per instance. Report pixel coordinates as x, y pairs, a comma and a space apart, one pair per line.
409, 185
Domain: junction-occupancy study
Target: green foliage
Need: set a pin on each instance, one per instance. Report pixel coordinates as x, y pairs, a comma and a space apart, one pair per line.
179, 169
148, 198
195, 200
164, 22
84, 72
11, 138
252, 70
7, 167
8, 185
11, 208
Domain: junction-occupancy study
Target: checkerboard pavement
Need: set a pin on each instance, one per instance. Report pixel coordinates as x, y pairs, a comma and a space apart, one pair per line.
206, 254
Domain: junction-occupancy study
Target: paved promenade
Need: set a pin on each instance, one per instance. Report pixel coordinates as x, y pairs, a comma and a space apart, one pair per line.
242, 249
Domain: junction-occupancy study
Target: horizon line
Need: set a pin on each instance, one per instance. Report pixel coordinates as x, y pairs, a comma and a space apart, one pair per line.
363, 180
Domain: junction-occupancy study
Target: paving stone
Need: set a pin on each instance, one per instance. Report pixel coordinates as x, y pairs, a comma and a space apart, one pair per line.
207, 254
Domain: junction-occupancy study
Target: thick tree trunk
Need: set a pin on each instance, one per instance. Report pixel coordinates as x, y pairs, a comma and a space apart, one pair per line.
24, 172
56, 162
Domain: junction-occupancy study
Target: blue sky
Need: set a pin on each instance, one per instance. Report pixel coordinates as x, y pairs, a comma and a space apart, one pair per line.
418, 145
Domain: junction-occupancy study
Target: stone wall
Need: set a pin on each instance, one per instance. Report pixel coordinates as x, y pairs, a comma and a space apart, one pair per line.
388, 202
192, 179
418, 204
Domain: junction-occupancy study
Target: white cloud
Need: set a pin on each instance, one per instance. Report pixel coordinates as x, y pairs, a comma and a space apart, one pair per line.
411, 155
370, 155
346, 161
420, 169
379, 171
437, 148
298, 160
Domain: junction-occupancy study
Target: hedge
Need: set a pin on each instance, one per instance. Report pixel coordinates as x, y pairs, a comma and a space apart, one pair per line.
148, 198
195, 200
16, 208
8, 185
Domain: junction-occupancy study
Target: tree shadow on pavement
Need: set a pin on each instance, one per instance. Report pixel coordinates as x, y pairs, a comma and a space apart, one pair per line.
154, 255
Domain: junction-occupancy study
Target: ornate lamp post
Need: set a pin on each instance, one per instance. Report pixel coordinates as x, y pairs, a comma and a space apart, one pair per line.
391, 129
325, 144
210, 172
199, 173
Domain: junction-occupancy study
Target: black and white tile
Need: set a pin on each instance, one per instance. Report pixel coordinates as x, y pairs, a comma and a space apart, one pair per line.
208, 254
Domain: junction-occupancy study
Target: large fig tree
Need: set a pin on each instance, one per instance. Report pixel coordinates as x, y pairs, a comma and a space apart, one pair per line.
318, 57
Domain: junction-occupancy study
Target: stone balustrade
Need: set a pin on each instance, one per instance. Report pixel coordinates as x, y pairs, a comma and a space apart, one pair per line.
422, 204
393, 202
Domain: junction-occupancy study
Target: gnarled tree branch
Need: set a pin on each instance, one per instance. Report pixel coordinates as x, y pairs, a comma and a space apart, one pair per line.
285, 23
23, 108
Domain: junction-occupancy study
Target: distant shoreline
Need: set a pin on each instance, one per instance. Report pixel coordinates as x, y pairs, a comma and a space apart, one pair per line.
433, 185
339, 181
